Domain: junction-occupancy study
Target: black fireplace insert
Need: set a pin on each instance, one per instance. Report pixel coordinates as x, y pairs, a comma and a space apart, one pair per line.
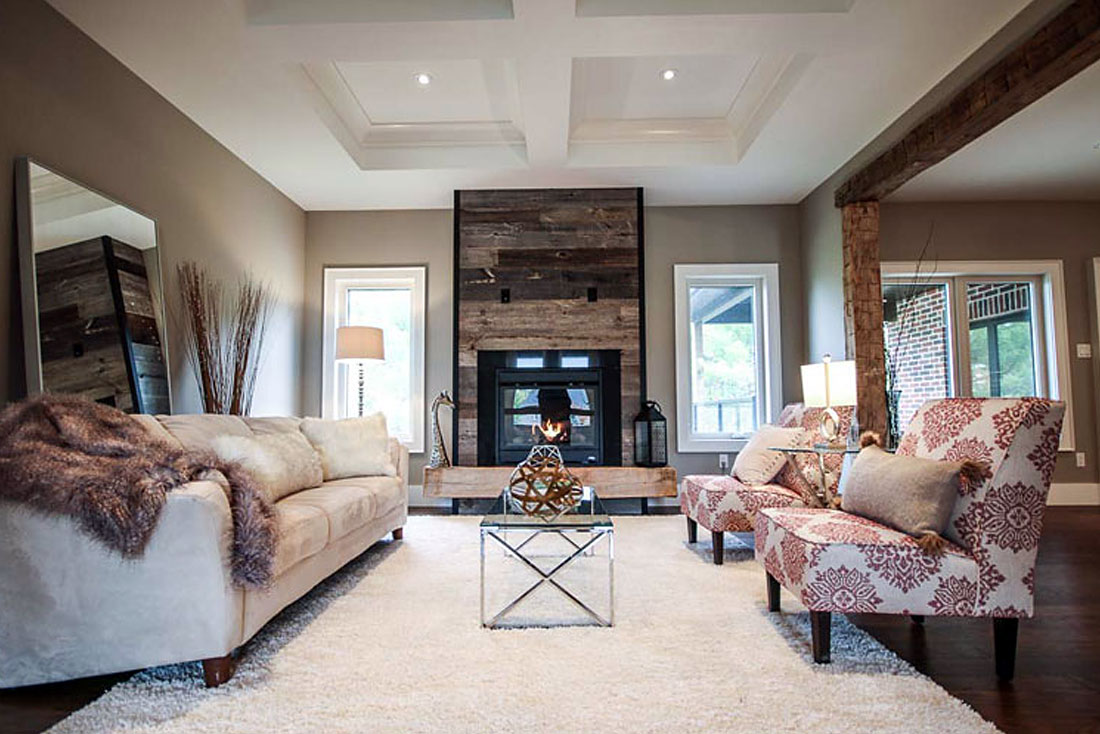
570, 399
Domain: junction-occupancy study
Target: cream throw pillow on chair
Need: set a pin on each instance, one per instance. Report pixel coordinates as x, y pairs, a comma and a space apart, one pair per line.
757, 463
353, 447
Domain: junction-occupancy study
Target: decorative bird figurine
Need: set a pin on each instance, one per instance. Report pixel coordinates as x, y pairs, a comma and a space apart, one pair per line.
439, 457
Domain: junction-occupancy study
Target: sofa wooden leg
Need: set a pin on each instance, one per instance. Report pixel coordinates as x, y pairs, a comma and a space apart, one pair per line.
398, 533
773, 593
716, 537
693, 530
216, 671
917, 618
1004, 646
821, 628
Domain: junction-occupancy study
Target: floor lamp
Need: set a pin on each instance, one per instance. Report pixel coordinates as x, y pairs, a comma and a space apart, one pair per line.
358, 344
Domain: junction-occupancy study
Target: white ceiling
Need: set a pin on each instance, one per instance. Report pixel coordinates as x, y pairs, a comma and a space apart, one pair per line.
770, 97
1049, 150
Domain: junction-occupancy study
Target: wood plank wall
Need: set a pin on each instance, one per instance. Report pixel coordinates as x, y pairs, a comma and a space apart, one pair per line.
548, 247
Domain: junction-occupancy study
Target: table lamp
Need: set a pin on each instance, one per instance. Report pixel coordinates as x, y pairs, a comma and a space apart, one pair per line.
827, 384
358, 344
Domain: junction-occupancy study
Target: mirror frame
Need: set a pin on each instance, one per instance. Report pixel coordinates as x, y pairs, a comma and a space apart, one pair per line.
28, 284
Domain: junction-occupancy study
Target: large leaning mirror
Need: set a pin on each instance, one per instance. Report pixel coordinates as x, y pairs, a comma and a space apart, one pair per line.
93, 307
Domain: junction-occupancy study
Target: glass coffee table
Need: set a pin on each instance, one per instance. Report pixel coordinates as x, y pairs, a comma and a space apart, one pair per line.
581, 529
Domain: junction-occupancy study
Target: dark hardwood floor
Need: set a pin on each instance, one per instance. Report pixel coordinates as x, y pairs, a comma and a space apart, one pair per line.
1057, 685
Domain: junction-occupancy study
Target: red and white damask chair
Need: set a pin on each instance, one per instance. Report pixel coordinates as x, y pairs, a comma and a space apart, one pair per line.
722, 504
837, 562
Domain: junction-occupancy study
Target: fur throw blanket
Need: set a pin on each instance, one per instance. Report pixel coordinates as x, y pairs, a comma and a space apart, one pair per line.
67, 456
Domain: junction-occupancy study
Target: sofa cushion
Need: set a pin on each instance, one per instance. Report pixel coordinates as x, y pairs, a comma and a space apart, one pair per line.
279, 463
195, 432
272, 424
388, 493
353, 447
303, 531
155, 429
347, 507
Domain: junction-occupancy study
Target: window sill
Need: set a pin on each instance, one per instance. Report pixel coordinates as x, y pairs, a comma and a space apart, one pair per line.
710, 445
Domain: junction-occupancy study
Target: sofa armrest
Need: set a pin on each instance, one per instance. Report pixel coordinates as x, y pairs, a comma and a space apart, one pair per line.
72, 607
399, 455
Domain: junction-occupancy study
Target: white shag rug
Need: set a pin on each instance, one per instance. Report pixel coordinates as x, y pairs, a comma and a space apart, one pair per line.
392, 643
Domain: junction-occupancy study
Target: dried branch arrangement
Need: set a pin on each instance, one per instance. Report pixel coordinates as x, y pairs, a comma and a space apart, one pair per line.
224, 336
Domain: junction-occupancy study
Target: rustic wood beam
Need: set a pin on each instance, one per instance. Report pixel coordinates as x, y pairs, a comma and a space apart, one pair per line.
1066, 45
863, 312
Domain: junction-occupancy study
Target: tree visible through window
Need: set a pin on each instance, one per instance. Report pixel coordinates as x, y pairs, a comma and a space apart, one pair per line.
724, 360
727, 353
386, 385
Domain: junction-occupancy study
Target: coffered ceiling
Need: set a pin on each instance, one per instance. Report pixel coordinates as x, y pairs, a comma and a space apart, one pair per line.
345, 104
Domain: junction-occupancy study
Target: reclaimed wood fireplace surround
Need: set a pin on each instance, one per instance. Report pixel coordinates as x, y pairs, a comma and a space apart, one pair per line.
548, 269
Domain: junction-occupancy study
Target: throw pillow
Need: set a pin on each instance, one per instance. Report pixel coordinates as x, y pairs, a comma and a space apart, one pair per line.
280, 463
908, 493
757, 463
354, 447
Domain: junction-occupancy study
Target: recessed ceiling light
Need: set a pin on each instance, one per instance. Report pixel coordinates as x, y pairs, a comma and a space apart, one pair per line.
668, 74
423, 79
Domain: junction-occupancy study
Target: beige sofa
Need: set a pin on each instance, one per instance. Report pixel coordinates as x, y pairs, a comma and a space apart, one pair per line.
71, 608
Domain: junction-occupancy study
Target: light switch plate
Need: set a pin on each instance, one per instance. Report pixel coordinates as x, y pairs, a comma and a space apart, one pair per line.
723, 461
1084, 351
1080, 459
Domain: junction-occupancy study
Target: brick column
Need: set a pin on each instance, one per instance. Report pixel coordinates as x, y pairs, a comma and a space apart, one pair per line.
863, 311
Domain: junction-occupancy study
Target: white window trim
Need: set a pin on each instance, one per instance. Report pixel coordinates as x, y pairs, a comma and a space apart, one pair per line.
337, 283
1053, 313
767, 276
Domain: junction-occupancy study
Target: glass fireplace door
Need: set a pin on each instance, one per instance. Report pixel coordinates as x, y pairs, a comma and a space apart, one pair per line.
565, 414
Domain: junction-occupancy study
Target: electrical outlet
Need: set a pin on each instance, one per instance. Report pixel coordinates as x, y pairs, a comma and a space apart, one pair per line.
1084, 351
1080, 459
723, 461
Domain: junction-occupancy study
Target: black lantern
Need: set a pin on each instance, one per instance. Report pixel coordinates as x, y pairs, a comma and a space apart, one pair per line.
650, 436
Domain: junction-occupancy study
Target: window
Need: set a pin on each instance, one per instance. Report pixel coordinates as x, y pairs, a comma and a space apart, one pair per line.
727, 353
393, 300
977, 329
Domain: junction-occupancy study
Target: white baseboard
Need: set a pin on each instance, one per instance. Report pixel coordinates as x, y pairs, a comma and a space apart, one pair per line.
1074, 494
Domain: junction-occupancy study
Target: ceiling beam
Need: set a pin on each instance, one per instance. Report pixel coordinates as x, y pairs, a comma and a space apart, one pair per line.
1066, 45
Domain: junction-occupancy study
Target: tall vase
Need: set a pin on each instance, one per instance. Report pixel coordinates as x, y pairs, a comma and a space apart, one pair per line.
893, 418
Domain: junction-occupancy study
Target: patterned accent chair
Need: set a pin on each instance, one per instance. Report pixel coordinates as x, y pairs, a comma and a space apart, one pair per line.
721, 503
836, 562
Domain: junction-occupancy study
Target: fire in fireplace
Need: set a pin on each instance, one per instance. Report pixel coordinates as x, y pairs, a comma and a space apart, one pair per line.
568, 399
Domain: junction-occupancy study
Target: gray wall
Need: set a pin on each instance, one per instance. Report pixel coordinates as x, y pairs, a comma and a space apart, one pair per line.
378, 238
1066, 231
716, 234
672, 235
67, 103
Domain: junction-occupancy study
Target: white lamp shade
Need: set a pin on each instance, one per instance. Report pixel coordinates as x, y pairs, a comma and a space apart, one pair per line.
355, 343
841, 387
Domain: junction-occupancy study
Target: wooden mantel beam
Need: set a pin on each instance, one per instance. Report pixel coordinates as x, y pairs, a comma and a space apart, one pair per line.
1066, 45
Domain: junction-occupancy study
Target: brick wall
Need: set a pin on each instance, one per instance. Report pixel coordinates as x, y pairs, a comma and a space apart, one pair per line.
923, 369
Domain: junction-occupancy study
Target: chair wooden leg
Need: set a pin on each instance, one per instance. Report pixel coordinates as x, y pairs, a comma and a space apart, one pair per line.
216, 671
1004, 646
773, 593
693, 530
821, 628
917, 618
398, 533
719, 543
